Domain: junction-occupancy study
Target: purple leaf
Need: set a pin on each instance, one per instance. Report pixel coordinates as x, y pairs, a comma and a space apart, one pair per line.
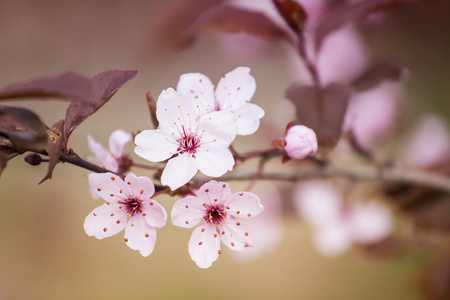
230, 19
293, 13
383, 70
104, 86
322, 110
54, 147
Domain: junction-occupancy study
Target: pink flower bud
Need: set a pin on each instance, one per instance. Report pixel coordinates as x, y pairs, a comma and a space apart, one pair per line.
301, 142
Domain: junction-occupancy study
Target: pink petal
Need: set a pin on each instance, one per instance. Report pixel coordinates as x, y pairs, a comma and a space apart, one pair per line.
217, 129
203, 246
215, 162
243, 205
178, 171
188, 211
235, 235
248, 118
333, 240
141, 188
139, 235
213, 190
105, 221
97, 149
199, 89
174, 110
235, 89
107, 186
155, 145
371, 222
110, 163
117, 142
301, 142
154, 214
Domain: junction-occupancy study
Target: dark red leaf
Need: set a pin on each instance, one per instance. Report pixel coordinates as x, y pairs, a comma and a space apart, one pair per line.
67, 85
322, 110
104, 86
293, 13
383, 70
230, 19
54, 147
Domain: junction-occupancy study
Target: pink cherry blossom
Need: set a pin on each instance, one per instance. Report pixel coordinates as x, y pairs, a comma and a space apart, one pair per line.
125, 198
233, 93
335, 226
191, 141
221, 212
301, 142
111, 159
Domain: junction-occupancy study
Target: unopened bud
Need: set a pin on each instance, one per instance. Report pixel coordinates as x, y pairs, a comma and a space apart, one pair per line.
301, 142
33, 159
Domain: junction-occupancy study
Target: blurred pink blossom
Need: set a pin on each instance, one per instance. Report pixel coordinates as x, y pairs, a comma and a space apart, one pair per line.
336, 226
301, 142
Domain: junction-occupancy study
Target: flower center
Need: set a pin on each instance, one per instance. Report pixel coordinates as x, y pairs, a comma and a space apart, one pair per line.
188, 143
133, 206
216, 215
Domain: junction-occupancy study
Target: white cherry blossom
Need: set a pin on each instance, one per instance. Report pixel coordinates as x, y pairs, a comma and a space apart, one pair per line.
189, 140
111, 159
221, 212
129, 198
233, 93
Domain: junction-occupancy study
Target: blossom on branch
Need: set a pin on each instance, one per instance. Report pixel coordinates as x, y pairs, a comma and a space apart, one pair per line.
112, 160
301, 142
191, 141
125, 198
221, 212
233, 93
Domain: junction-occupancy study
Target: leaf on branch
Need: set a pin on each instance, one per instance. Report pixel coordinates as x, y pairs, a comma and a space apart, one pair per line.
346, 14
293, 13
376, 73
67, 85
54, 146
23, 128
322, 110
104, 85
231, 19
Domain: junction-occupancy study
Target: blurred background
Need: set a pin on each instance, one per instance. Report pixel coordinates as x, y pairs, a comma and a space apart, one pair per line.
44, 251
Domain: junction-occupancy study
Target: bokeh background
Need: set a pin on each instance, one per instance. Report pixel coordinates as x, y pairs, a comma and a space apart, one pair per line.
44, 251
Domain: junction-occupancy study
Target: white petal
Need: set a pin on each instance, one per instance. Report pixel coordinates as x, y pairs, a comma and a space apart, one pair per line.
154, 214
248, 118
188, 211
174, 110
155, 145
107, 186
105, 221
215, 162
203, 246
97, 149
235, 89
199, 89
213, 190
117, 142
371, 222
217, 129
243, 205
141, 188
139, 235
235, 235
178, 171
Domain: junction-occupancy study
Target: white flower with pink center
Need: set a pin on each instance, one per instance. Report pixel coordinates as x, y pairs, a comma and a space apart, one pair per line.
191, 141
222, 213
125, 198
111, 160
233, 93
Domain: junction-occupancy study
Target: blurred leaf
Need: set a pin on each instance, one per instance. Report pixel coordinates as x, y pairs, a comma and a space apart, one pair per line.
230, 19
104, 86
54, 147
23, 128
322, 110
383, 70
436, 281
293, 13
67, 85
3, 161
346, 14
